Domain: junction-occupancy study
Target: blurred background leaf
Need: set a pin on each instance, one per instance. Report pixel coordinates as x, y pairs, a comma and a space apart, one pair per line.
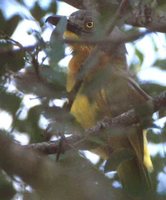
161, 63
7, 190
49, 85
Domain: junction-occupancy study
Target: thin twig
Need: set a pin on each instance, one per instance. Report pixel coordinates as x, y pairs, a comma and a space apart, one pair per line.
77, 140
129, 37
135, 16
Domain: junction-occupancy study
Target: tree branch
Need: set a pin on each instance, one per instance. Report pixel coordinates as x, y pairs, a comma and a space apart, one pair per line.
120, 39
155, 21
124, 120
75, 3
14, 159
58, 180
141, 16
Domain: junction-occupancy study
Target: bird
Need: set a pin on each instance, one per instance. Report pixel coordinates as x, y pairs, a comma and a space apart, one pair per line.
107, 90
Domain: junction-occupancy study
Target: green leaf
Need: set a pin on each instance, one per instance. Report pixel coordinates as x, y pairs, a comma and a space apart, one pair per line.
152, 88
57, 46
140, 56
160, 63
38, 12
6, 188
53, 7
30, 125
9, 102
8, 26
58, 77
13, 60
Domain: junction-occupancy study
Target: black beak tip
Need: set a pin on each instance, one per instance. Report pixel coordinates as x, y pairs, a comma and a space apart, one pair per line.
53, 19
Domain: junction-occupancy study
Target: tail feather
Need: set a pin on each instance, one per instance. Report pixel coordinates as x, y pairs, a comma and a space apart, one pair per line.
134, 178
134, 173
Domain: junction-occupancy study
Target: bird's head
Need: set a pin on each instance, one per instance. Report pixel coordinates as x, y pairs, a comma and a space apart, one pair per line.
80, 24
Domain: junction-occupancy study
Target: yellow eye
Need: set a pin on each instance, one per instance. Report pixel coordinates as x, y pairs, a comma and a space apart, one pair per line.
89, 25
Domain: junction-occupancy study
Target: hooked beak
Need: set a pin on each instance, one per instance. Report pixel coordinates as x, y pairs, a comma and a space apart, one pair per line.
70, 26
54, 19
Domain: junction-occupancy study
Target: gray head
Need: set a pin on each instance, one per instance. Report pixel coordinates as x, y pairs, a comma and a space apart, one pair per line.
83, 22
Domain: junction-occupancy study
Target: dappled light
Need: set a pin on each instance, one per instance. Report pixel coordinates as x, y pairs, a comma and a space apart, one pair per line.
82, 100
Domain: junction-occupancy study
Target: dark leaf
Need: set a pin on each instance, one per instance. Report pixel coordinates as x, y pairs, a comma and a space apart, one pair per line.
38, 12
61, 121
160, 63
58, 77
33, 128
6, 188
8, 26
153, 89
117, 158
31, 124
9, 102
52, 7
11, 60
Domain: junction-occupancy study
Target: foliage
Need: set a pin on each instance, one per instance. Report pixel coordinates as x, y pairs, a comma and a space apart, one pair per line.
44, 79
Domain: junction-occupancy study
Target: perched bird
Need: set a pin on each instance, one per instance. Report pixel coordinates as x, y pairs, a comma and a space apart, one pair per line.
107, 91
